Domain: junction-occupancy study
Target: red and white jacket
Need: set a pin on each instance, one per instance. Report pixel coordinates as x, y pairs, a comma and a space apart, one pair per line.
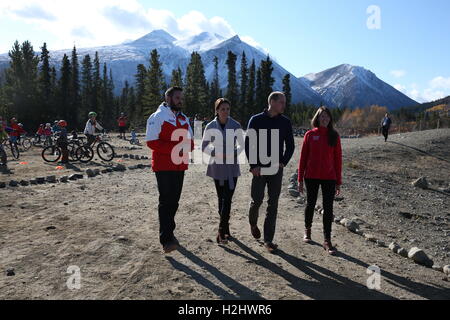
318, 160
165, 132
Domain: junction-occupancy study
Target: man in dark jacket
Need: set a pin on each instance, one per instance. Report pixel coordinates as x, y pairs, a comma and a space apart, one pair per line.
269, 146
385, 126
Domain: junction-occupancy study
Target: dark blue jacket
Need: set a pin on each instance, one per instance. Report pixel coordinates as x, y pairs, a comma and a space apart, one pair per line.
286, 137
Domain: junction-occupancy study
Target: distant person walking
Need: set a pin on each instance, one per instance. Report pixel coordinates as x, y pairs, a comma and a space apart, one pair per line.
321, 165
167, 128
386, 126
264, 125
223, 166
122, 123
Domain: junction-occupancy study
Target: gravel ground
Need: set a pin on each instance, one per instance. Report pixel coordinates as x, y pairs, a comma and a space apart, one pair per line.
107, 226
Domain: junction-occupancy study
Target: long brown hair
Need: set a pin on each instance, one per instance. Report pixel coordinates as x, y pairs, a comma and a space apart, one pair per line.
332, 133
220, 102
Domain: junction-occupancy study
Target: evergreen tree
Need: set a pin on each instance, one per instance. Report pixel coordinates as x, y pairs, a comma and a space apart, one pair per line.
86, 88
287, 93
267, 80
233, 91
96, 85
44, 75
250, 99
215, 84
195, 94
260, 101
140, 77
244, 88
177, 78
75, 96
153, 85
64, 100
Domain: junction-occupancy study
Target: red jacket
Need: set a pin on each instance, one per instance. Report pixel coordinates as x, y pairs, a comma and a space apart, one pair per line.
160, 129
17, 130
318, 160
122, 121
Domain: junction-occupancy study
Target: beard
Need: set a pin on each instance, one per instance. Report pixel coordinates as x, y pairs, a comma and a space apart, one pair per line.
175, 107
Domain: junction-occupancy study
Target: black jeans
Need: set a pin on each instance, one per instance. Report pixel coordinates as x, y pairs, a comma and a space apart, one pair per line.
170, 186
274, 190
328, 193
385, 133
225, 197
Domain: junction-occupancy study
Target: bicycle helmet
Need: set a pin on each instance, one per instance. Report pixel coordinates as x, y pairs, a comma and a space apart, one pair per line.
92, 114
62, 123
47, 124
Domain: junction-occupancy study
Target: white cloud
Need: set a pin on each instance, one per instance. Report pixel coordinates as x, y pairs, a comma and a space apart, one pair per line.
440, 83
398, 73
437, 88
249, 40
400, 87
107, 22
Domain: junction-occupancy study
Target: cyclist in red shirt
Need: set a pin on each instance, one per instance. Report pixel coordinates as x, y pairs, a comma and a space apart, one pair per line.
122, 122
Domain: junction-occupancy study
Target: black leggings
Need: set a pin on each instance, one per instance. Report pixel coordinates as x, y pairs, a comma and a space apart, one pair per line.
328, 193
225, 197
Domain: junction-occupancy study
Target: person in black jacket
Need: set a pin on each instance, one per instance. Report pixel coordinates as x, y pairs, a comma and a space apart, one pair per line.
385, 126
269, 146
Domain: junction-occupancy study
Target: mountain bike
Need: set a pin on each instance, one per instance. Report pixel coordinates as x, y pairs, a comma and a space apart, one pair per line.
11, 146
105, 151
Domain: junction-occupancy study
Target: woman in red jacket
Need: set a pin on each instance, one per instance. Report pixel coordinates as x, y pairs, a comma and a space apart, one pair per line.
321, 165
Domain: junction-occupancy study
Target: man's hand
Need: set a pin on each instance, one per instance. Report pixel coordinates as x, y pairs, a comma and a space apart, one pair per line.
256, 172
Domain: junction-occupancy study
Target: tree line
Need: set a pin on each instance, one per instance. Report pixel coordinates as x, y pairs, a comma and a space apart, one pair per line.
34, 92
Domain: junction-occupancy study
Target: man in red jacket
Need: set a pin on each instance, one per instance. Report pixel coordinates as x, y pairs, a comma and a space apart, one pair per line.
122, 122
170, 137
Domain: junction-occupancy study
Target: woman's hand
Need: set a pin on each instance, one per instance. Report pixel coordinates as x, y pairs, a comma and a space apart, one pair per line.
338, 191
301, 188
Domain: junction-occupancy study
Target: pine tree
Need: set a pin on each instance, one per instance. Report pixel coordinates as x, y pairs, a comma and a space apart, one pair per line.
195, 94
250, 98
287, 93
215, 84
177, 78
44, 75
232, 91
267, 80
140, 77
260, 101
244, 86
75, 96
64, 100
96, 85
86, 87
153, 85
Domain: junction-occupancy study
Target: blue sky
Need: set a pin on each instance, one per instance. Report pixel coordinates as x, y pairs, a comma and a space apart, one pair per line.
410, 50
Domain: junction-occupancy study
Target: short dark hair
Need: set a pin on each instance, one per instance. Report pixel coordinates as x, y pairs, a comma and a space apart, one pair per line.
171, 91
275, 96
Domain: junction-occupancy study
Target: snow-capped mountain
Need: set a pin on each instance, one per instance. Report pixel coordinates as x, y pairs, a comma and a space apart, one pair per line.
201, 42
344, 85
348, 85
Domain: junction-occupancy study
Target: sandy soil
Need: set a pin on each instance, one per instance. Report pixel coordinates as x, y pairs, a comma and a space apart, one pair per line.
108, 227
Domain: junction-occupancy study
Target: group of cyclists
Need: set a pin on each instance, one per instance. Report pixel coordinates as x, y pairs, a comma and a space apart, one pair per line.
47, 134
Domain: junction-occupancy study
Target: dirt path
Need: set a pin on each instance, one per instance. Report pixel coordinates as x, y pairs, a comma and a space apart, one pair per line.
108, 227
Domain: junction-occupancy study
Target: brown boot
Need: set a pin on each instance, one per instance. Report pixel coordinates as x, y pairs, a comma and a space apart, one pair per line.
307, 237
329, 247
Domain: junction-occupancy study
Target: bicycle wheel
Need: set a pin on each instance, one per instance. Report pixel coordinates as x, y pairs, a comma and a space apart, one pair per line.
26, 144
84, 154
51, 154
105, 151
15, 150
72, 148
